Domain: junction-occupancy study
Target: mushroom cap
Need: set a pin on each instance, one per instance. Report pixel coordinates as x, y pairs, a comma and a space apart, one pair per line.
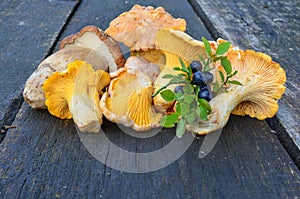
137, 27
141, 64
263, 85
264, 80
59, 90
76, 93
177, 44
33, 93
174, 44
153, 56
101, 45
128, 100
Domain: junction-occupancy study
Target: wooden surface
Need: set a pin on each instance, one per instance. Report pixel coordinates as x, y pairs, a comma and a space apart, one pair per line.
43, 157
28, 30
271, 27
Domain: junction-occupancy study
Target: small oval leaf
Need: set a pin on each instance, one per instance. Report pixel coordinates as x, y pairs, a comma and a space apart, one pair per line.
226, 65
180, 128
168, 95
207, 46
223, 48
169, 121
235, 82
222, 76
167, 76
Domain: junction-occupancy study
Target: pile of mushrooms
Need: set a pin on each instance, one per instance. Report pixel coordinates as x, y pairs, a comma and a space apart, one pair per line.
69, 77
89, 76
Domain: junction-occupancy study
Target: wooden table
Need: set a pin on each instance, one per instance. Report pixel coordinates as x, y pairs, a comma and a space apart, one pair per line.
43, 157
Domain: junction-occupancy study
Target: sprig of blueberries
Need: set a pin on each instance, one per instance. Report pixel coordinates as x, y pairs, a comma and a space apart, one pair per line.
192, 93
200, 80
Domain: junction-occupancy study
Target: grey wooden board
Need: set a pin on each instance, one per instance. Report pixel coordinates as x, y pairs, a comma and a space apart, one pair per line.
28, 29
272, 27
43, 156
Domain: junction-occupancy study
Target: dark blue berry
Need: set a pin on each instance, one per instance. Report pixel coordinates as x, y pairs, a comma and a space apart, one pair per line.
178, 89
198, 79
196, 66
204, 86
205, 93
209, 77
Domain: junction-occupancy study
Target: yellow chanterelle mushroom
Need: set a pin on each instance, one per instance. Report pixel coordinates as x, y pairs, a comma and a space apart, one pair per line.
137, 29
75, 94
174, 45
263, 84
128, 100
90, 44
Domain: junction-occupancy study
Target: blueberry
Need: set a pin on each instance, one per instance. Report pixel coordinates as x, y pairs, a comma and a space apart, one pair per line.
205, 93
204, 86
209, 77
198, 79
178, 89
196, 66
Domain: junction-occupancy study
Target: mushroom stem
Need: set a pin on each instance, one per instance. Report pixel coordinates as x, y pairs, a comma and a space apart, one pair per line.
222, 106
76, 94
85, 113
84, 104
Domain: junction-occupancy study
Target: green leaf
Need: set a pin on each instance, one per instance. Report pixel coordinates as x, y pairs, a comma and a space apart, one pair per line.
182, 65
179, 97
207, 46
202, 59
169, 121
185, 109
216, 87
222, 76
182, 75
168, 95
226, 65
178, 108
232, 74
191, 118
167, 76
190, 72
223, 48
204, 103
180, 128
188, 88
189, 99
201, 111
235, 82
176, 68
176, 80
197, 89
217, 58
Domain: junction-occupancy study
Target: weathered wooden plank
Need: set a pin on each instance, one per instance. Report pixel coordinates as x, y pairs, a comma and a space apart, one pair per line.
272, 27
43, 156
28, 30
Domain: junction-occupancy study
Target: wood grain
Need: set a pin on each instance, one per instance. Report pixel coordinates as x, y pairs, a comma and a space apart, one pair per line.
43, 156
28, 30
271, 27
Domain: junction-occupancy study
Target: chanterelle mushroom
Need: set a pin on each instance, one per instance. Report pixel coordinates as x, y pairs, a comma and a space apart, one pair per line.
128, 100
174, 44
76, 93
137, 29
263, 84
90, 44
